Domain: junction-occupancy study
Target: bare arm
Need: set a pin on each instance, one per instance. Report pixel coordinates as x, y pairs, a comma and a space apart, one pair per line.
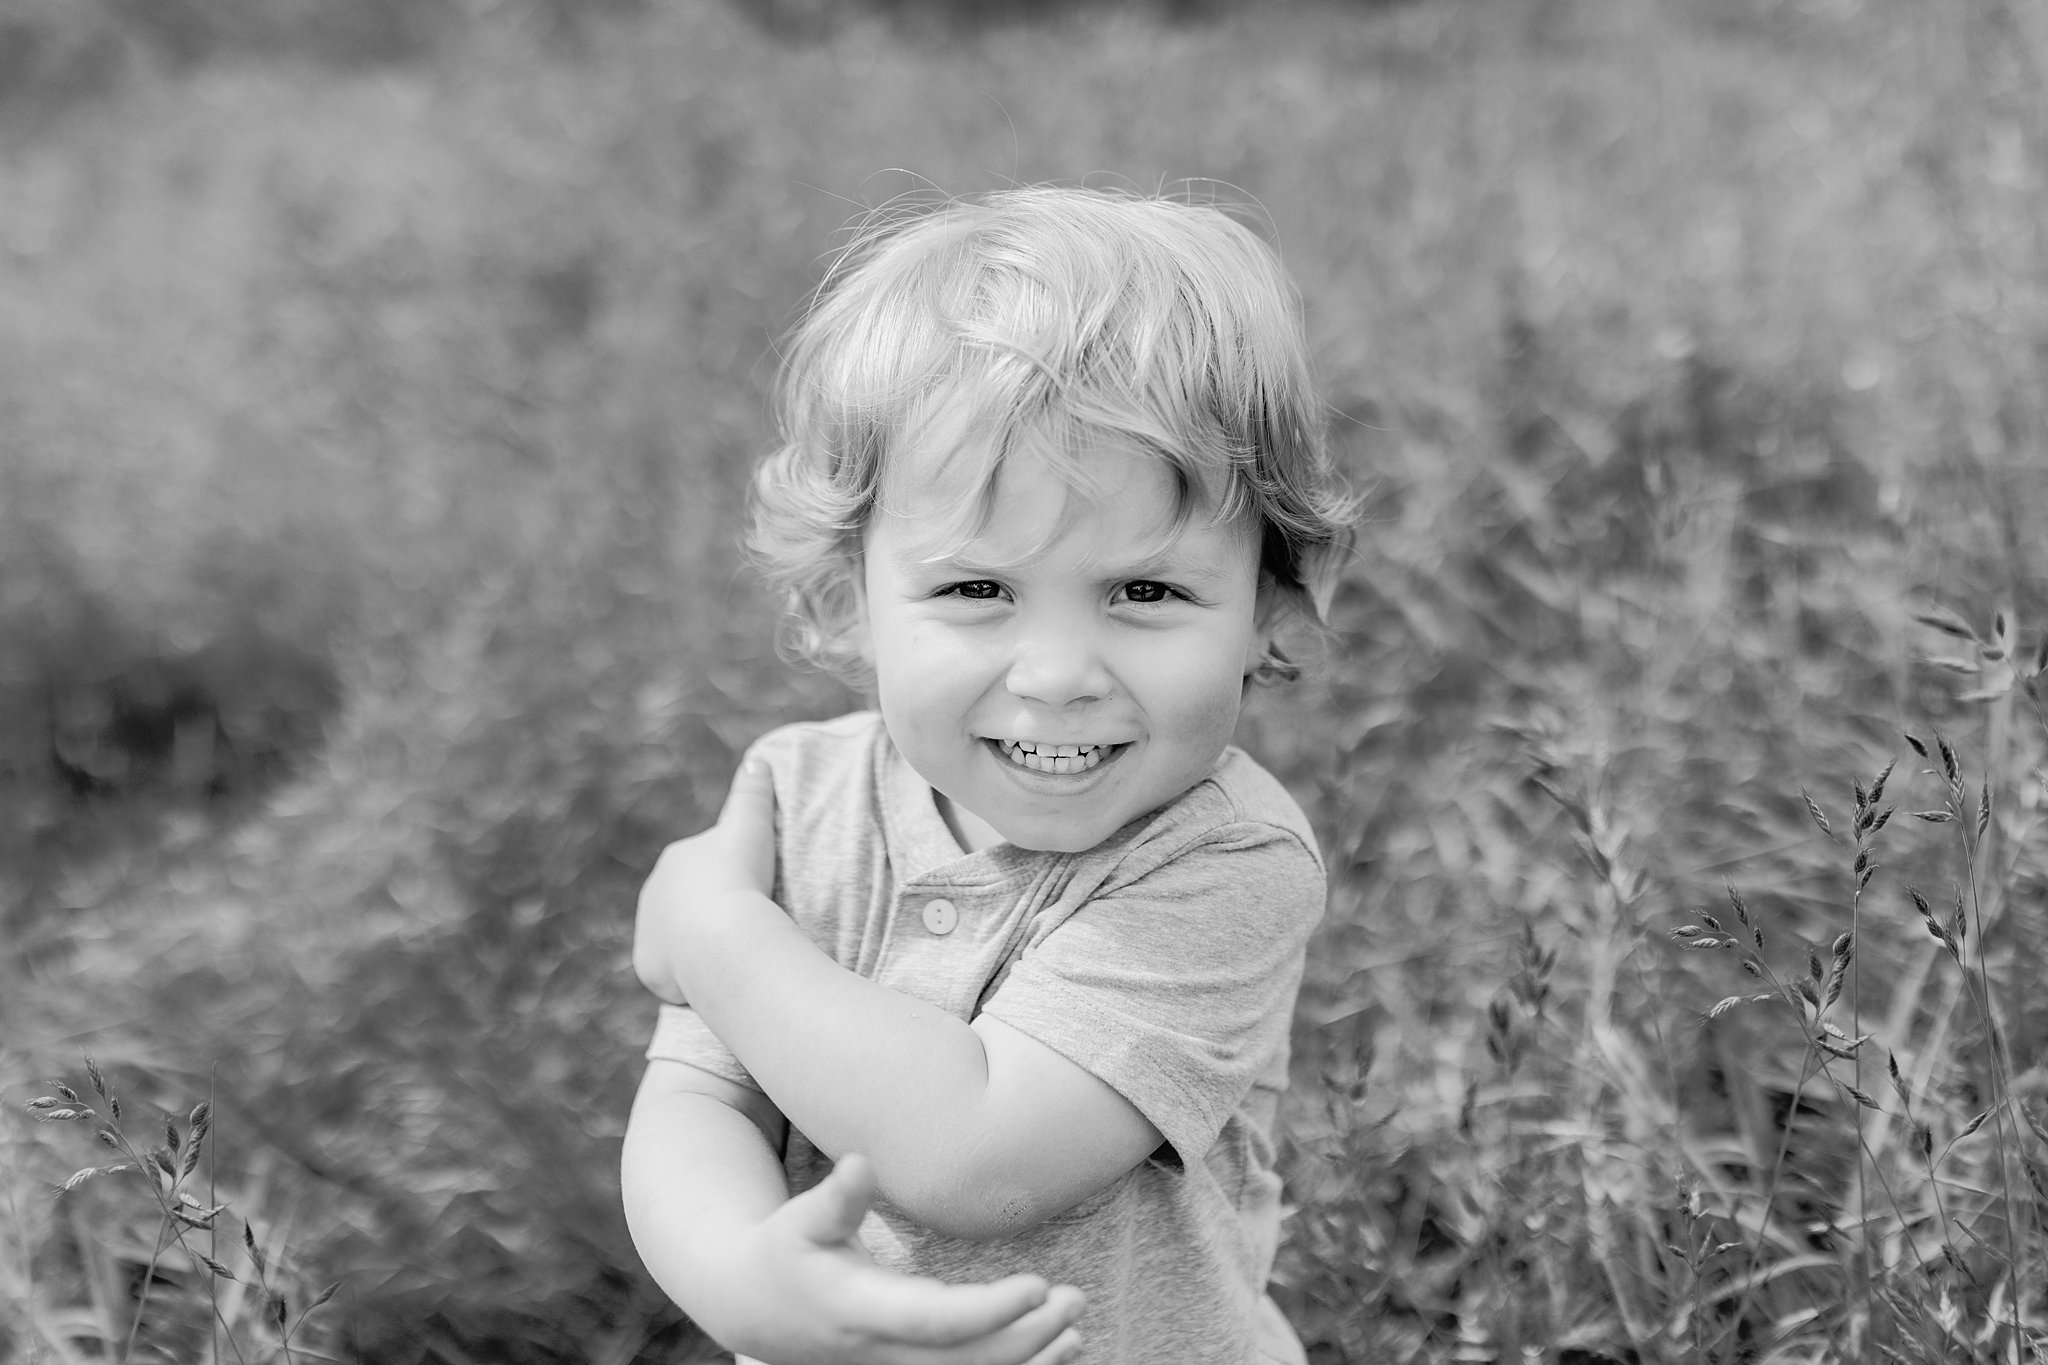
786, 1280
697, 1170
974, 1130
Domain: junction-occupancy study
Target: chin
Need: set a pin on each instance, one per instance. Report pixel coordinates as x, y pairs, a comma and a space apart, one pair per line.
1054, 841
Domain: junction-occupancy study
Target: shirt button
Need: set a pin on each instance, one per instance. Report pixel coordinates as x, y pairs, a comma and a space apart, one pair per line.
940, 916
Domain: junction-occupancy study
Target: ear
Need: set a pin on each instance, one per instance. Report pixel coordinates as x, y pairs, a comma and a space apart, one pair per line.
1268, 611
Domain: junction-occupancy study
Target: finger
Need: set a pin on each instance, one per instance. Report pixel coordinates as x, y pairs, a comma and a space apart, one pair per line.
1045, 1336
752, 795
1063, 1348
829, 1213
1000, 1323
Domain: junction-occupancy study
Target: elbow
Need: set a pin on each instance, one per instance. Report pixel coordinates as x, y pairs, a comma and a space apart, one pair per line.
960, 1201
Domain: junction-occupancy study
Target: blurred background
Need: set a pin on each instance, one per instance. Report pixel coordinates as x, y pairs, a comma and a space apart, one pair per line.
378, 385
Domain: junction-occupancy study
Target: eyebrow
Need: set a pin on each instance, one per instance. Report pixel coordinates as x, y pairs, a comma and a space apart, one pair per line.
1164, 565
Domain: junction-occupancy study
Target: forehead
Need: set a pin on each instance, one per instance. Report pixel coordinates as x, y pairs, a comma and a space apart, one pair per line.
953, 493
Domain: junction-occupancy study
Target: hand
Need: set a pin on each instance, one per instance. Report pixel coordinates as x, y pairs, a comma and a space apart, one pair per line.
806, 1293
736, 854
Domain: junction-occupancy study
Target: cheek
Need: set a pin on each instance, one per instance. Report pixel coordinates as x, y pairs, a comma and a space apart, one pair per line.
921, 669
1199, 692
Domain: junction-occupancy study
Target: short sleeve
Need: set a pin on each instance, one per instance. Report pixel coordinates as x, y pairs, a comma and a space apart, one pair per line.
1178, 988
681, 1036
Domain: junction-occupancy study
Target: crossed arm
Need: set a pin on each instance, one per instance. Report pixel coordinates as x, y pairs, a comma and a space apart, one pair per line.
786, 1280
975, 1130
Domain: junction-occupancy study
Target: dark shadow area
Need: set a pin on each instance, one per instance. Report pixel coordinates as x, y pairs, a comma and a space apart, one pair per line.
105, 731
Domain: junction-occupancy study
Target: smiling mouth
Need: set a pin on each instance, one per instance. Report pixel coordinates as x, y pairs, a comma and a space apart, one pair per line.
1065, 759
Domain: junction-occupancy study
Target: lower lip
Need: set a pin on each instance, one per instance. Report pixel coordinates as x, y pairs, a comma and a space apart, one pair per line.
1035, 780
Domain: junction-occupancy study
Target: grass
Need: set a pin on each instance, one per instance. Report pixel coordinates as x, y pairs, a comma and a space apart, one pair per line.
378, 397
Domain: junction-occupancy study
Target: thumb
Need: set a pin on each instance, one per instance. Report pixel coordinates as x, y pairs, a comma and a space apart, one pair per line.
831, 1210
752, 795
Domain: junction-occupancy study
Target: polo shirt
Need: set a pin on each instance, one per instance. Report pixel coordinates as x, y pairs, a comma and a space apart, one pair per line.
1164, 960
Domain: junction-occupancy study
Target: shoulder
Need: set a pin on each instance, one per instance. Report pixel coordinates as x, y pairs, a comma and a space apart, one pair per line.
1238, 806
810, 740
1255, 797
812, 748
1235, 843
823, 763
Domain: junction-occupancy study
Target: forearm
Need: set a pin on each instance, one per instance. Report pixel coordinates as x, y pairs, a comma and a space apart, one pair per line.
695, 1172
855, 1065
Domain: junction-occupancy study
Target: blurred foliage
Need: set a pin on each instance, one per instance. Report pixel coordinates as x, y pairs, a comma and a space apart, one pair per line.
377, 388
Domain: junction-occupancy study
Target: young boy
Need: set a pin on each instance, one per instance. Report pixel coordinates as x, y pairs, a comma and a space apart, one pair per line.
1027, 937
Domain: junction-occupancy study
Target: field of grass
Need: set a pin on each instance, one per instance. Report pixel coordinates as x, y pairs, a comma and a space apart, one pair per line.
378, 384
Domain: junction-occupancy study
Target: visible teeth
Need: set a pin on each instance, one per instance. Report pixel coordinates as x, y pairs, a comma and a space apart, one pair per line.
1053, 758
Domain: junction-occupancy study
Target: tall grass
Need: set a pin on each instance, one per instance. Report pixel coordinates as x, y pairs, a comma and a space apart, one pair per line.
377, 410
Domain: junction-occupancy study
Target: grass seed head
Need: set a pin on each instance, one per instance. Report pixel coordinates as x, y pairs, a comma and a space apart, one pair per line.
1948, 623
1819, 818
255, 1251
196, 1128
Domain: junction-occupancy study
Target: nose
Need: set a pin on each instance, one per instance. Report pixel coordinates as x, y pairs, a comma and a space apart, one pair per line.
1057, 662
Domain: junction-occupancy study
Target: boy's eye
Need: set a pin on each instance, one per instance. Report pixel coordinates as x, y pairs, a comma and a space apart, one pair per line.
1145, 590
975, 590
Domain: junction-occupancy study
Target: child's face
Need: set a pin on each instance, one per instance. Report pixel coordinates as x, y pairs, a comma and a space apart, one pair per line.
1050, 698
